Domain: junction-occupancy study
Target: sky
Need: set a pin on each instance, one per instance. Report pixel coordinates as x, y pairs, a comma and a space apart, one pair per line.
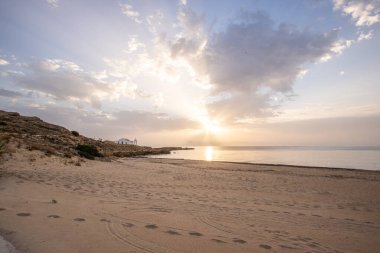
170, 73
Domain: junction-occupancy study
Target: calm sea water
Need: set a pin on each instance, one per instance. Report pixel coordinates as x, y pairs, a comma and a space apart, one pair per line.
365, 158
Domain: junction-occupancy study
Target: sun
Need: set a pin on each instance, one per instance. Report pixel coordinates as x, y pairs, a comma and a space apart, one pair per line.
211, 127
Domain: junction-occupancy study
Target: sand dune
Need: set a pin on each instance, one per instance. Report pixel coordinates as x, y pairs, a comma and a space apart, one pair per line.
158, 205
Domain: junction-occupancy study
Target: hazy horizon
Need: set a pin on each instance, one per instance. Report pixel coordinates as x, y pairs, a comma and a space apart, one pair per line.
169, 73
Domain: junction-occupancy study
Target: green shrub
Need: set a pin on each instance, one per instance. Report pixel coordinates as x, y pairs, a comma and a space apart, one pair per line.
88, 151
7, 144
75, 133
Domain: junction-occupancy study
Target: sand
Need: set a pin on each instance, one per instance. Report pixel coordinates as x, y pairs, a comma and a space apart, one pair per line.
161, 205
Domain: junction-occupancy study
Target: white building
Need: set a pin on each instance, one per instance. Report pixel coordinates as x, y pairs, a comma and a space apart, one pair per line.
126, 141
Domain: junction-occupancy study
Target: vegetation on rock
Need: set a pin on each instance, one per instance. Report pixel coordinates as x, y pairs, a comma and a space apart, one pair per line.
75, 133
88, 151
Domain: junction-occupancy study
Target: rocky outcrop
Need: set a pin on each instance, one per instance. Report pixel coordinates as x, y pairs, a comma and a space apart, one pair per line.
32, 133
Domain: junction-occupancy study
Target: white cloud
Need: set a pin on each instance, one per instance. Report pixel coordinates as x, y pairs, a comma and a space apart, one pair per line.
136, 66
339, 46
154, 21
3, 62
57, 64
158, 100
302, 73
66, 81
362, 12
130, 12
341, 73
365, 36
53, 3
336, 48
134, 44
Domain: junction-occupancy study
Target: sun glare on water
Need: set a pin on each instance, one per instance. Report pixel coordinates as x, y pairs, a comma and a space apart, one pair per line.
209, 153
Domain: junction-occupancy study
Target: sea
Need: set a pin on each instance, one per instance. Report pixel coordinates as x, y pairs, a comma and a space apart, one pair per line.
362, 158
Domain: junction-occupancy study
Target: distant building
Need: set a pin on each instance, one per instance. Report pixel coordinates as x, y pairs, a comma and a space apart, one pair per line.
126, 141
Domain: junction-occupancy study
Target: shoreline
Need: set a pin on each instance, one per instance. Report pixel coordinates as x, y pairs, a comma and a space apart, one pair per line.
168, 205
266, 164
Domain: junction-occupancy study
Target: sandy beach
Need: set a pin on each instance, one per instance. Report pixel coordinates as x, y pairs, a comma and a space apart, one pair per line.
49, 204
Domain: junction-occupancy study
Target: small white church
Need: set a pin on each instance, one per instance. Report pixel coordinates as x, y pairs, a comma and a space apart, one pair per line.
126, 141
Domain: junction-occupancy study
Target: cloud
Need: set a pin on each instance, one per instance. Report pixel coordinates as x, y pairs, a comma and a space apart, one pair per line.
336, 48
251, 54
338, 131
134, 45
192, 39
53, 3
254, 52
11, 73
3, 62
239, 107
154, 20
130, 12
9, 93
362, 12
143, 120
365, 36
66, 81
108, 125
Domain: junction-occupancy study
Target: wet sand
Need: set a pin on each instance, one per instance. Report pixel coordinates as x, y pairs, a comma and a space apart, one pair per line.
161, 205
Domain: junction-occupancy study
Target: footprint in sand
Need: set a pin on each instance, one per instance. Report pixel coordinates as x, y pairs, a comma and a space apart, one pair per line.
79, 219
195, 234
105, 220
237, 240
172, 232
54, 216
217, 240
2, 209
264, 246
286, 247
151, 226
128, 225
23, 214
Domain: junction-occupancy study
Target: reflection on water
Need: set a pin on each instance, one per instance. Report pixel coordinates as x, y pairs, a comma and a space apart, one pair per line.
209, 152
347, 157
